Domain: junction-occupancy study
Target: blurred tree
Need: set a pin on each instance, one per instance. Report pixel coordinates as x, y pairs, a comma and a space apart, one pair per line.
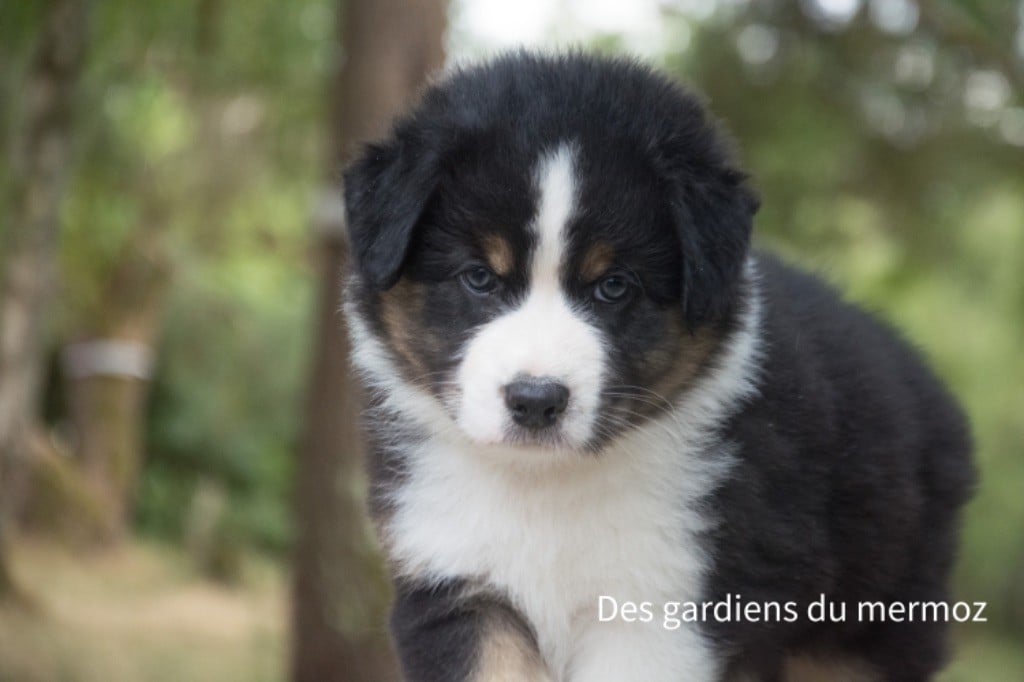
391, 46
40, 160
107, 373
199, 143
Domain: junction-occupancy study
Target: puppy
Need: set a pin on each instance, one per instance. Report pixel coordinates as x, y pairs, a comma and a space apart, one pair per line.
585, 390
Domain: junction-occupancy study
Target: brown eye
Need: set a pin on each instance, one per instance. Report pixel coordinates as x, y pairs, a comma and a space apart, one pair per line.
478, 280
612, 289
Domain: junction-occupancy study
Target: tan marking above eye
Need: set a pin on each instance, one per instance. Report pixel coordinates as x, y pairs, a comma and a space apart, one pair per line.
596, 261
498, 253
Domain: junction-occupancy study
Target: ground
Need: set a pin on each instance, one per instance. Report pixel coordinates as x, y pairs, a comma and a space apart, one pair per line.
140, 614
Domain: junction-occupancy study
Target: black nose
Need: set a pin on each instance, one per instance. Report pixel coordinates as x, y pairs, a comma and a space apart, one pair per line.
536, 403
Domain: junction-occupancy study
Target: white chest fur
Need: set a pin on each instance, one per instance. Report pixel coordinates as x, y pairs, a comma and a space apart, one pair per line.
553, 540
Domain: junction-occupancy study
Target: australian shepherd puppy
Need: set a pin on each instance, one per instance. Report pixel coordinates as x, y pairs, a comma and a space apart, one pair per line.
591, 403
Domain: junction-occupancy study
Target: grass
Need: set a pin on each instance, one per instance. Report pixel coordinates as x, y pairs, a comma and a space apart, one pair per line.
139, 614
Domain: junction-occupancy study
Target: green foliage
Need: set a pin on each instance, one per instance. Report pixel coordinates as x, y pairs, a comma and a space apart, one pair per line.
228, 394
200, 137
19, 24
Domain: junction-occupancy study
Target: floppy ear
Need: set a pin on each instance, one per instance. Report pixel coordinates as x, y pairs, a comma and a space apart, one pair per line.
713, 218
386, 192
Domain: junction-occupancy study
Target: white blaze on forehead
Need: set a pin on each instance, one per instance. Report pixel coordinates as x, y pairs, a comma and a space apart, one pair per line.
556, 182
543, 337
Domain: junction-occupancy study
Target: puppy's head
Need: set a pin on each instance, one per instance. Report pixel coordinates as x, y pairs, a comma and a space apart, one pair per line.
549, 247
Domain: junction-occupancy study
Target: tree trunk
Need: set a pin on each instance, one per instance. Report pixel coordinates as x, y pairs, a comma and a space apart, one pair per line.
40, 159
340, 591
7, 586
108, 381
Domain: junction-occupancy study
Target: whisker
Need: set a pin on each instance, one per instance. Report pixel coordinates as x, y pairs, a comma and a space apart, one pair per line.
676, 433
667, 408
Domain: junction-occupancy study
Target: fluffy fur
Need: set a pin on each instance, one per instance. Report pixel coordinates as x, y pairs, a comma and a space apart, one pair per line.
732, 427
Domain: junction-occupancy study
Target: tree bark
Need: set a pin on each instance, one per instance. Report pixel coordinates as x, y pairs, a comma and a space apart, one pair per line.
41, 155
7, 584
340, 591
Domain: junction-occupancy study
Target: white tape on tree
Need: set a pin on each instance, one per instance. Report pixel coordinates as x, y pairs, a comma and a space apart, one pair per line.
108, 357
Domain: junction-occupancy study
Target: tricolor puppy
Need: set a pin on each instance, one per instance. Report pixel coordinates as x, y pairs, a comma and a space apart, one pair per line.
583, 383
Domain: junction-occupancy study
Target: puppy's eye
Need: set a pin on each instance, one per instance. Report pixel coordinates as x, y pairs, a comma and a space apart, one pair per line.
478, 280
612, 289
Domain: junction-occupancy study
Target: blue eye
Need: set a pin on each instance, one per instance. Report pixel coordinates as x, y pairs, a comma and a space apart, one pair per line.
478, 280
612, 289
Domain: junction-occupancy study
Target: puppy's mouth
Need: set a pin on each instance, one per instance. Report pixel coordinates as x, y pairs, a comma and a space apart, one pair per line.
518, 436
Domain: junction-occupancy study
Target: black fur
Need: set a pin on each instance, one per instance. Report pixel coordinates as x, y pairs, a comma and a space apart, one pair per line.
436, 629
385, 193
855, 466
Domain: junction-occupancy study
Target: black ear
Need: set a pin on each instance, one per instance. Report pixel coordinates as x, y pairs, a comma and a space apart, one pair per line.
386, 192
713, 218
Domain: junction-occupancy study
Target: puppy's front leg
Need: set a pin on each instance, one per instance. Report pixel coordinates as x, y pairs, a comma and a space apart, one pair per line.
448, 633
617, 651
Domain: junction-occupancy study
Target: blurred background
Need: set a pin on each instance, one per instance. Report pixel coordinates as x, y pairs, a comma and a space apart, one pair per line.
180, 487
